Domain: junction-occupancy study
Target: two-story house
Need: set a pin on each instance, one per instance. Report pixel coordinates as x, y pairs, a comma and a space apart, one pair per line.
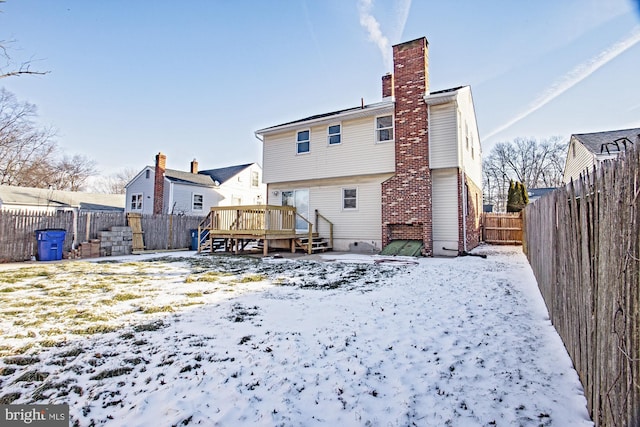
588, 150
405, 168
158, 190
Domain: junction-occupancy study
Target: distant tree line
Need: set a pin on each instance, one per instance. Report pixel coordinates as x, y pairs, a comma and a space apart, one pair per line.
536, 164
29, 155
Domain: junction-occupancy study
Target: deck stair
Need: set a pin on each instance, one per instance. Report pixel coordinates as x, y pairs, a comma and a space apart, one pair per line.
318, 244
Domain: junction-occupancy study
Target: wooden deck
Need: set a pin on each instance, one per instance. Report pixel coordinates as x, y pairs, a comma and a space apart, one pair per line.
240, 224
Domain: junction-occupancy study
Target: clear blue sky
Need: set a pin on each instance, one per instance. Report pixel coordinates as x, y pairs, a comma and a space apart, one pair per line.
196, 78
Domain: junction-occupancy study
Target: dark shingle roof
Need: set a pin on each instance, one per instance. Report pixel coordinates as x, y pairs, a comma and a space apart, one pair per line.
352, 109
221, 175
187, 177
598, 141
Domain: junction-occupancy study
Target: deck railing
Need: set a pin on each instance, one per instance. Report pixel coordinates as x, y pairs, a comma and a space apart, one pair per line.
252, 220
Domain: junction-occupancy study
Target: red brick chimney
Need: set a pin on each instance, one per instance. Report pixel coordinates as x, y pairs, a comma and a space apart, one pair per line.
194, 166
158, 185
406, 197
387, 85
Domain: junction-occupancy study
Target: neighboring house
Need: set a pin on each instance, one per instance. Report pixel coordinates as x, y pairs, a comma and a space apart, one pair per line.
157, 189
405, 168
45, 200
587, 150
535, 193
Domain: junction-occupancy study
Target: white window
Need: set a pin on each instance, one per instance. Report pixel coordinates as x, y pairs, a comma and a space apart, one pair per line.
136, 202
303, 141
255, 179
349, 198
198, 204
333, 134
384, 128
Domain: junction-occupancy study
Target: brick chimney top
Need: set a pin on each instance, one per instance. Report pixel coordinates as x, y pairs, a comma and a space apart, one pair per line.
194, 166
387, 85
158, 186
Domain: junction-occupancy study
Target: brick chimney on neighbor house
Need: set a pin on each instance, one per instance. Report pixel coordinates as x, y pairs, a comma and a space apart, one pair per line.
406, 197
194, 166
158, 185
387, 85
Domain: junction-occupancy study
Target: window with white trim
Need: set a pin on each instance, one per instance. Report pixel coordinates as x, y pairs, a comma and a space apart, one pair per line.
255, 179
384, 128
136, 202
334, 134
198, 202
349, 198
302, 141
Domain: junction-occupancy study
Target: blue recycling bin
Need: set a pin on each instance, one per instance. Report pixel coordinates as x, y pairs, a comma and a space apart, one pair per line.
50, 243
194, 237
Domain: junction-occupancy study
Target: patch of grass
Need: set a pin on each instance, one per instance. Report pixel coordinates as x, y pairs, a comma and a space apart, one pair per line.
8, 289
193, 294
8, 398
206, 276
253, 278
21, 360
32, 376
95, 329
110, 373
161, 309
53, 331
126, 296
149, 326
20, 275
74, 352
6, 370
49, 343
87, 315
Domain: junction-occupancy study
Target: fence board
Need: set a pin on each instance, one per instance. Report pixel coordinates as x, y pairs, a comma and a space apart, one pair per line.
17, 230
583, 246
502, 228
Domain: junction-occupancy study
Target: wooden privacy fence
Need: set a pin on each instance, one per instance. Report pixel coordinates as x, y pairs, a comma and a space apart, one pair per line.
502, 228
583, 247
17, 230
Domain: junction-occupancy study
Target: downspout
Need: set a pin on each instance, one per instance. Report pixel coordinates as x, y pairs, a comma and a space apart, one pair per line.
170, 204
463, 187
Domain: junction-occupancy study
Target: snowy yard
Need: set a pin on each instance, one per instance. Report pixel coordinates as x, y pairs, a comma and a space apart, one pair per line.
350, 341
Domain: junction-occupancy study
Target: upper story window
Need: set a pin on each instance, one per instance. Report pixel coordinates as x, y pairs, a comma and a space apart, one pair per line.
302, 141
384, 128
147, 174
334, 134
198, 202
349, 198
255, 179
136, 202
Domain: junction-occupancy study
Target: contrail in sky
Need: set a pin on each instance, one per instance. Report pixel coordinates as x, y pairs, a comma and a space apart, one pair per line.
574, 77
371, 24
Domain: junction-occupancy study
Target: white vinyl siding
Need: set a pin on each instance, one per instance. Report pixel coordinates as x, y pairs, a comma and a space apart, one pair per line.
471, 158
357, 154
443, 134
577, 163
141, 185
350, 225
445, 212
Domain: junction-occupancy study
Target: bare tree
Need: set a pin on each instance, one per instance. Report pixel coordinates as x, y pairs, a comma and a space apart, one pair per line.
11, 70
114, 183
25, 149
29, 154
535, 164
71, 173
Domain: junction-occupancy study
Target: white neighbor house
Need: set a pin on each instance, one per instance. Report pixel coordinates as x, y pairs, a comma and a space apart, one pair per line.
157, 189
587, 150
405, 168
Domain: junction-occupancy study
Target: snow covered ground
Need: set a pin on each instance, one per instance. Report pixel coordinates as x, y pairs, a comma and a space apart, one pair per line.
349, 340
